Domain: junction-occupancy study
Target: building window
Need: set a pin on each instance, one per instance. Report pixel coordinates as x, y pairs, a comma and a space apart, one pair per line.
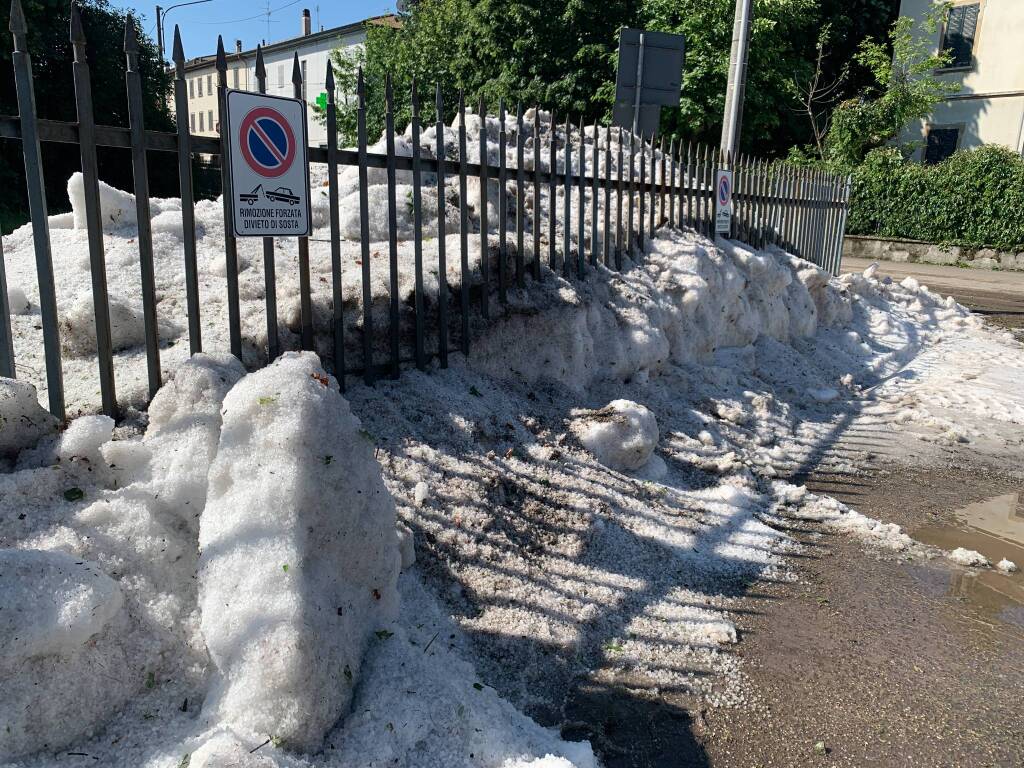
201, 128
210, 119
192, 122
958, 37
280, 77
199, 86
209, 84
234, 78
942, 142
303, 67
191, 89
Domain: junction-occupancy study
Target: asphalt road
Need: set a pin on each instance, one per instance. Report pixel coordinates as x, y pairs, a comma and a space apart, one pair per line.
997, 295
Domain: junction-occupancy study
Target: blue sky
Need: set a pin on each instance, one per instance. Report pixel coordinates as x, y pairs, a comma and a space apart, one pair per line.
247, 20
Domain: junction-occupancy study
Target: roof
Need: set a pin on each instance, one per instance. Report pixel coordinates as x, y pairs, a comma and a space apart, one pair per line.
385, 20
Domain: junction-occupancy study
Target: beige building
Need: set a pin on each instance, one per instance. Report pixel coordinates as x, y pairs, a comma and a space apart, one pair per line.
314, 50
986, 38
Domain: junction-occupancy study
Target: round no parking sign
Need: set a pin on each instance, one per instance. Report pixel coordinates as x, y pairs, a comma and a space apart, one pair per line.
269, 166
267, 142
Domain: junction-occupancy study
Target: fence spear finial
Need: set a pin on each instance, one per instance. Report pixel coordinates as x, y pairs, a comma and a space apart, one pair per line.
296, 70
77, 33
360, 89
222, 60
261, 68
17, 25
178, 53
131, 40
329, 82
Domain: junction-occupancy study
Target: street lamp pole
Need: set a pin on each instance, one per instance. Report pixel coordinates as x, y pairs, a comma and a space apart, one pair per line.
161, 15
736, 88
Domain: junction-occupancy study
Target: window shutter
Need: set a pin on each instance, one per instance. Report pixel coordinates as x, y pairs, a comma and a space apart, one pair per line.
941, 144
961, 28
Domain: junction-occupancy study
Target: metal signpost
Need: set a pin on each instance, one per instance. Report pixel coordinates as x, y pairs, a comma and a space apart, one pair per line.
649, 77
269, 166
723, 203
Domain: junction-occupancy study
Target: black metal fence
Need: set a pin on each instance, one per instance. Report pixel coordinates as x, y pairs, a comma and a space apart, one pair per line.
800, 210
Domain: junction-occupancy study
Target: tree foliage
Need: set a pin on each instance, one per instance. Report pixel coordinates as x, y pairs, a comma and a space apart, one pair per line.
974, 198
561, 54
48, 42
904, 89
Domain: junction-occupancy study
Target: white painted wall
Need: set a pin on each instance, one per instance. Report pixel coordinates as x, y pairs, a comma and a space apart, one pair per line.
989, 109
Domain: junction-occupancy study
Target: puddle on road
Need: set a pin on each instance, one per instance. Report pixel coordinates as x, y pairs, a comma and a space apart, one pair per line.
995, 528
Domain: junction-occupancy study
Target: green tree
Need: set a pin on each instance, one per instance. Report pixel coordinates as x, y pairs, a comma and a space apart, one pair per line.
48, 42
781, 38
561, 54
904, 89
556, 53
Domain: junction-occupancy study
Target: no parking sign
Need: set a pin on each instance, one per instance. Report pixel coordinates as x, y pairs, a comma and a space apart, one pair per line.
269, 165
723, 202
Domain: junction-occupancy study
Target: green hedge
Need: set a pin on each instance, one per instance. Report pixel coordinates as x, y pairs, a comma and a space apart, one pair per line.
973, 199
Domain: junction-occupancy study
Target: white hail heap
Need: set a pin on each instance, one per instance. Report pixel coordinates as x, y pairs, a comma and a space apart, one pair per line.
217, 581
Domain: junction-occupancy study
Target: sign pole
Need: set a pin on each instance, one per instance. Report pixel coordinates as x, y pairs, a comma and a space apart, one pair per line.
639, 84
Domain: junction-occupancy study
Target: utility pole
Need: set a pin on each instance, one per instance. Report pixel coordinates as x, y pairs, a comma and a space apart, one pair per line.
736, 88
159, 35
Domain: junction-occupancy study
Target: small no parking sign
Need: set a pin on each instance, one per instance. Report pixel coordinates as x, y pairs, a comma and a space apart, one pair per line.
723, 202
267, 157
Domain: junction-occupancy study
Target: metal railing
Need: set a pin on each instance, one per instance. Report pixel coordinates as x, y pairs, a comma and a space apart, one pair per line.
800, 210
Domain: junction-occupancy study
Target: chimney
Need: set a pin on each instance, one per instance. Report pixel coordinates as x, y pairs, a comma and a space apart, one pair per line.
238, 46
305, 21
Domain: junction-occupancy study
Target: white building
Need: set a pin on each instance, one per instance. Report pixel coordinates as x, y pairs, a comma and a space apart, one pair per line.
314, 50
985, 38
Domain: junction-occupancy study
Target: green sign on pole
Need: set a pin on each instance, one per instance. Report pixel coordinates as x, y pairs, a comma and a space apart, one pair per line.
321, 101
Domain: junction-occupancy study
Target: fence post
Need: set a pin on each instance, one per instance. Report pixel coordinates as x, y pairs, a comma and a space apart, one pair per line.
641, 197
37, 209
417, 223
581, 204
632, 193
672, 183
595, 209
837, 259
607, 178
536, 193
620, 189
269, 263
93, 214
394, 326
654, 191
463, 226
230, 247
520, 197
140, 177
188, 210
485, 256
338, 316
552, 191
567, 203
502, 203
364, 228
305, 290
442, 263
6, 338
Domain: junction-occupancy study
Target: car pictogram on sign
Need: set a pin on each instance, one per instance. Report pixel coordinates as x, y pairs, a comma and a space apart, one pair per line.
282, 195
251, 197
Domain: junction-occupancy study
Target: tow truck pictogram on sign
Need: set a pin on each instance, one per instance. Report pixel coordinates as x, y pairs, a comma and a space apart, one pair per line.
267, 142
